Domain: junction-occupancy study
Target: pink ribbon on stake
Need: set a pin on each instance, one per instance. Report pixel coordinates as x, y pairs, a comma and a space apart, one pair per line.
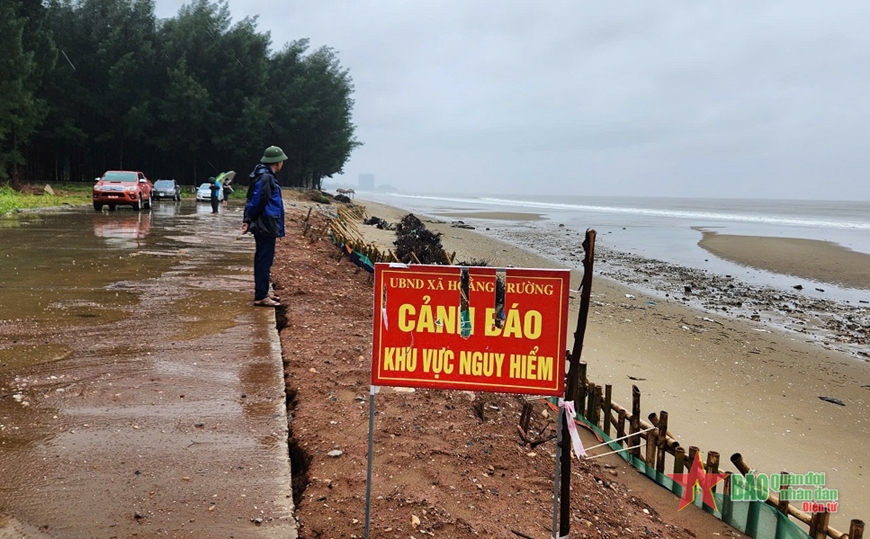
568, 406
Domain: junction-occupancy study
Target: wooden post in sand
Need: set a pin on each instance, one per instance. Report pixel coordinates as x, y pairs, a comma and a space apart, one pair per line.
662, 441
608, 398
819, 525
679, 459
596, 409
693, 450
727, 504
573, 372
580, 394
783, 503
306, 223
590, 401
712, 465
634, 426
651, 444
620, 426
856, 529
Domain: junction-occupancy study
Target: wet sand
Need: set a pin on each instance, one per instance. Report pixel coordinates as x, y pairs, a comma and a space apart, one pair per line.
820, 261
492, 215
729, 385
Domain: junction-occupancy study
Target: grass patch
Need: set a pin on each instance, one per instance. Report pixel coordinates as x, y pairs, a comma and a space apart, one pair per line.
72, 195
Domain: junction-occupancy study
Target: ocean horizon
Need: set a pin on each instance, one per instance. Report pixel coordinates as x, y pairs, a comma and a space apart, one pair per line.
666, 228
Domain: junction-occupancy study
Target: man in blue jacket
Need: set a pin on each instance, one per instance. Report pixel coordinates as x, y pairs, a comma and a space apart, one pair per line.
264, 218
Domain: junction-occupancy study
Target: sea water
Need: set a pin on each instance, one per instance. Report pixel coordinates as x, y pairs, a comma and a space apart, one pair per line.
669, 229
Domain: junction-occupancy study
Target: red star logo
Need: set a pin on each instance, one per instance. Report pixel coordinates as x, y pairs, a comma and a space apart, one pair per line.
697, 477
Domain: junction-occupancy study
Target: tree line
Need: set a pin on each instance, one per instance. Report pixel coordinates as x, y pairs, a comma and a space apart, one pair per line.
94, 85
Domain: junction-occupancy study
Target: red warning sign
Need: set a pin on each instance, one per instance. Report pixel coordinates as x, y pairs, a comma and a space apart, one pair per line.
474, 328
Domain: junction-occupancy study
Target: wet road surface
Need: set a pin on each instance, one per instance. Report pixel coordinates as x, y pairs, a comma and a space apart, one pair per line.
141, 395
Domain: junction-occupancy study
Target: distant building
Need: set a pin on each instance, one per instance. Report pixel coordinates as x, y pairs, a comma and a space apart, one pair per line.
366, 182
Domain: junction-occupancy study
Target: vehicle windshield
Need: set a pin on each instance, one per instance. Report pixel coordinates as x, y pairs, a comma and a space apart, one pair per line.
164, 184
120, 177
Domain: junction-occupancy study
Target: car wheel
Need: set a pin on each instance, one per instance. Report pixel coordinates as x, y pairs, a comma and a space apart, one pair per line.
138, 205
148, 203
111, 207
178, 197
98, 206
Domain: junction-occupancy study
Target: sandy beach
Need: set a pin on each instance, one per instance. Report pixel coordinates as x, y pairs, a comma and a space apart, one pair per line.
820, 261
731, 382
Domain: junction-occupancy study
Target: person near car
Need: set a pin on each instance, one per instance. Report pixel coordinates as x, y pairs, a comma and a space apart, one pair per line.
215, 187
227, 191
264, 218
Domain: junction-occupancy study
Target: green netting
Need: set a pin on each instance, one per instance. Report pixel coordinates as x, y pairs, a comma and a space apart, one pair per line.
755, 519
465, 323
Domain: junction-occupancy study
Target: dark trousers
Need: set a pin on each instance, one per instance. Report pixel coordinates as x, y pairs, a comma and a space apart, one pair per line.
263, 258
215, 202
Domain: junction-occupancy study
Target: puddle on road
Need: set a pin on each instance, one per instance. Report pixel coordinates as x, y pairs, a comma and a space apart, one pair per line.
208, 312
25, 354
60, 258
79, 268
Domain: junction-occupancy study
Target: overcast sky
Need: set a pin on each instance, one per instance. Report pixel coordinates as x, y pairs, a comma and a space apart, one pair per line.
758, 99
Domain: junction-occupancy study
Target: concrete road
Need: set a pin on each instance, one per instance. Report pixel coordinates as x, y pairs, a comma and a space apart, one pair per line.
141, 395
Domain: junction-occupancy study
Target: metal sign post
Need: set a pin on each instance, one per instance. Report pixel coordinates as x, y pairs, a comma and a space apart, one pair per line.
372, 391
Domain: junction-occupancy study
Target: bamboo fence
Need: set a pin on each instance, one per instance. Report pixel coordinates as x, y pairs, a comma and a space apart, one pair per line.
344, 230
657, 448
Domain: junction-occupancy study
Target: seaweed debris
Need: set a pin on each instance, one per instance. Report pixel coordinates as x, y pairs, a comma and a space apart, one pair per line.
378, 223
415, 243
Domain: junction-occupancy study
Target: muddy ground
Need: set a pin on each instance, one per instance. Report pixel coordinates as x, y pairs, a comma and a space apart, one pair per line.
446, 464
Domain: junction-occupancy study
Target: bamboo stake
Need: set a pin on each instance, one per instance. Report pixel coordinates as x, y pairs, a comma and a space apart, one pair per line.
727, 504
608, 398
635, 418
590, 400
447, 257
596, 410
679, 460
690, 458
782, 524
856, 529
650, 449
783, 503
620, 424
525, 417
662, 441
819, 525
671, 442
580, 394
712, 466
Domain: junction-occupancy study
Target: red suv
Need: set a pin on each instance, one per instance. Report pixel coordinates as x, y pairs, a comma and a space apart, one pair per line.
126, 187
